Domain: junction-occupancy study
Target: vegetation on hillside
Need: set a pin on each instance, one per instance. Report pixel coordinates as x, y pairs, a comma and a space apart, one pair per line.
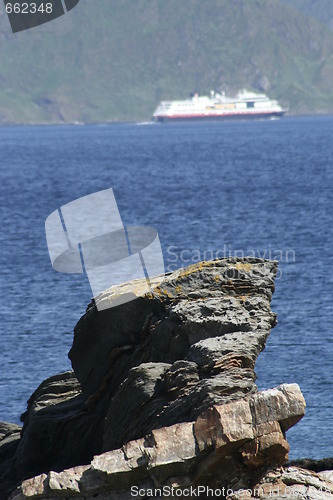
318, 9
114, 60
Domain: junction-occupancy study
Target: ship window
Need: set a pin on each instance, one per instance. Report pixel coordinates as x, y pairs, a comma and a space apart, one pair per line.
250, 104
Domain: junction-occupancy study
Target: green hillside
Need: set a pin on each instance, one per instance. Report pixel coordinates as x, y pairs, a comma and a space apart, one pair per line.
318, 9
111, 60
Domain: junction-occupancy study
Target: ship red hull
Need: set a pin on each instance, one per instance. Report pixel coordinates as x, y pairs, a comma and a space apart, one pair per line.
230, 116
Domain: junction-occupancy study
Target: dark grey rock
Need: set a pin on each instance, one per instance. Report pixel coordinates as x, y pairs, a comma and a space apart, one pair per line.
320, 465
159, 360
9, 441
47, 439
135, 404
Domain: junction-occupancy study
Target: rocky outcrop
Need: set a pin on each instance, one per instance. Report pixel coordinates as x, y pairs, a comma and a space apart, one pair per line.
9, 436
9, 441
163, 392
284, 483
315, 465
240, 436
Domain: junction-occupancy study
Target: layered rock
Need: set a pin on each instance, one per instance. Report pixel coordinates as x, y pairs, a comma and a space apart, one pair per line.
239, 436
9, 441
171, 354
175, 365
285, 483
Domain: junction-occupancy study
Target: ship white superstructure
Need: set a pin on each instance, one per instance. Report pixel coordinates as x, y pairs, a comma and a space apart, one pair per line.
244, 105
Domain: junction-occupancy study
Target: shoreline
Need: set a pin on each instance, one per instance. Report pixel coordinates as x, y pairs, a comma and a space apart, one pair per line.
148, 121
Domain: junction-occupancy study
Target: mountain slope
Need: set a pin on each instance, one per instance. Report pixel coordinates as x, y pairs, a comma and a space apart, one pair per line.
318, 9
115, 59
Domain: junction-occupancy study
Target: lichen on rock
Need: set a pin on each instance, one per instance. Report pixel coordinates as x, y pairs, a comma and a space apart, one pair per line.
162, 392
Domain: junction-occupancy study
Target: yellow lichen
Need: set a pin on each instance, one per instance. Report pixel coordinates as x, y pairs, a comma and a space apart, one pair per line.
194, 268
162, 292
243, 266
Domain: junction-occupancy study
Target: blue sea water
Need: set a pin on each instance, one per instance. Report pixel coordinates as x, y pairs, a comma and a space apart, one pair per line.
247, 188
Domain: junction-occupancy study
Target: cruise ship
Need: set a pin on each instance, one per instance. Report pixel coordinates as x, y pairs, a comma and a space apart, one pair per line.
245, 105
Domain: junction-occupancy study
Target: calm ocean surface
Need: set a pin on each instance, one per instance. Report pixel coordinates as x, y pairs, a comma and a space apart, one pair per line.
258, 188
